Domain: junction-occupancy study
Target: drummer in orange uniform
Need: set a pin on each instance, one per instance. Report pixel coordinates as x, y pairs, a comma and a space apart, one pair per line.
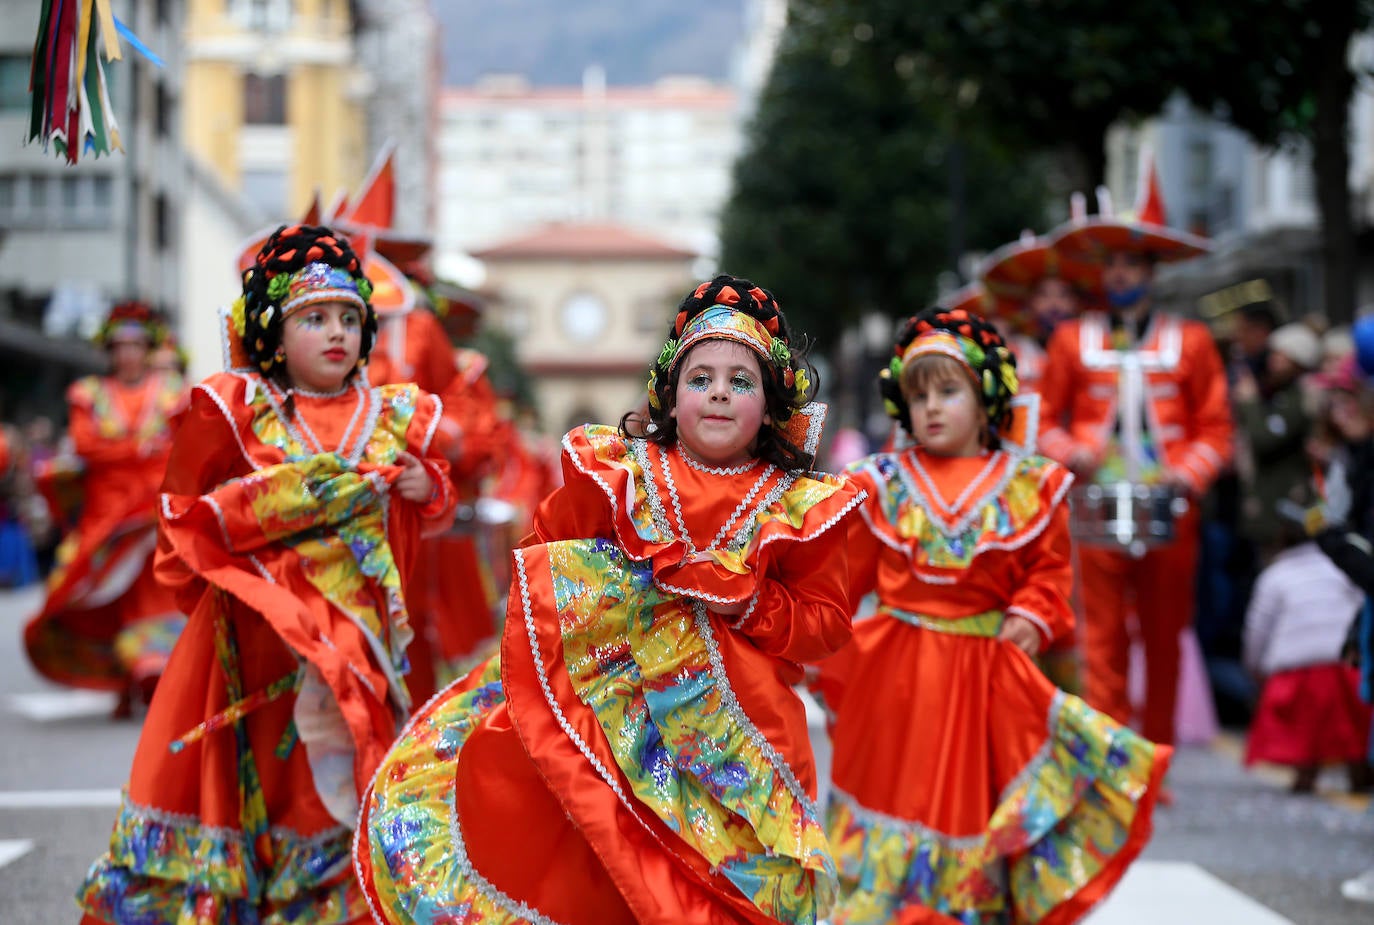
1136, 395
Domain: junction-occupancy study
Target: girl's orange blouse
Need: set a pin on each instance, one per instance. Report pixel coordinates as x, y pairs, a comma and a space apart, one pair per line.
950, 537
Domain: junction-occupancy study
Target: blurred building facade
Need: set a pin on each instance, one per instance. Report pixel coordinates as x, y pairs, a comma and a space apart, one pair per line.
1258, 205
275, 99
587, 306
75, 239
399, 50
657, 158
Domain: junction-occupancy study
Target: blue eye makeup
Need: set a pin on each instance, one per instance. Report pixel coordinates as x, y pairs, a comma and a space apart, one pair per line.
699, 383
742, 385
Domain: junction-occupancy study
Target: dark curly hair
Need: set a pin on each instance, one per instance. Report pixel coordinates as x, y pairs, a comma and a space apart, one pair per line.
290, 248
790, 381
991, 370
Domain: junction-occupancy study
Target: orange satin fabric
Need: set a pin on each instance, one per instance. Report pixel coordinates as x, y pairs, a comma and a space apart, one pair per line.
1188, 405
801, 615
124, 461
930, 726
289, 616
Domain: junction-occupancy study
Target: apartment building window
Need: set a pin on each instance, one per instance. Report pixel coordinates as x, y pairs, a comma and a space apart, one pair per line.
162, 222
264, 99
70, 201
14, 83
261, 15
266, 189
163, 111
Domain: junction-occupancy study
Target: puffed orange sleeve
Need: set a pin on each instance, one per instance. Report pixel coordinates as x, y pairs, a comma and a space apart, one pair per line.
1056, 394
205, 454
801, 610
1041, 593
865, 549
578, 509
1212, 433
436, 514
428, 344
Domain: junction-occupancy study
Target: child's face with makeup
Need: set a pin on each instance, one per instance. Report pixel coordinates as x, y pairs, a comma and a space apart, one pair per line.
321, 342
719, 403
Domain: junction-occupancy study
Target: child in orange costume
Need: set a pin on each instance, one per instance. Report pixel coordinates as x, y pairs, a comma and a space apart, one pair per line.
106, 624
293, 500
966, 787
635, 753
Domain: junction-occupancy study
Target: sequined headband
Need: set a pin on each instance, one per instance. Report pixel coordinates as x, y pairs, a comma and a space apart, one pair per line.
123, 331
320, 282
720, 322
960, 349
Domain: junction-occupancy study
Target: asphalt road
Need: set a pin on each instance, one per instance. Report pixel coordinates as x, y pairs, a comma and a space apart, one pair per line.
1234, 849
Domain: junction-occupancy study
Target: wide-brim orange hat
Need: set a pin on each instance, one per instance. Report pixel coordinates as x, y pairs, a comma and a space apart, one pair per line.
1011, 273
1145, 232
971, 298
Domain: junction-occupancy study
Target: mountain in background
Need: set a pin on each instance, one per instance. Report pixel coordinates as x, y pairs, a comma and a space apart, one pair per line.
552, 41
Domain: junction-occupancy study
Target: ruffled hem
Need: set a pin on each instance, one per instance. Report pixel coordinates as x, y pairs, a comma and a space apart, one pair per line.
1062, 834
411, 855
649, 668
168, 868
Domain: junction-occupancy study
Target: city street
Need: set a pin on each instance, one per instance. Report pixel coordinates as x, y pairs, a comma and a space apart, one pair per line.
1234, 849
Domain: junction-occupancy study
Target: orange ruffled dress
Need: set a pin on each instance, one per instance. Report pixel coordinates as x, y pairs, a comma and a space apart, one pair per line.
630, 755
285, 545
106, 622
966, 787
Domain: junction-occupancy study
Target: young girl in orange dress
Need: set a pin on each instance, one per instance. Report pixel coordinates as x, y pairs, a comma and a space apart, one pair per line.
967, 788
294, 497
106, 623
635, 752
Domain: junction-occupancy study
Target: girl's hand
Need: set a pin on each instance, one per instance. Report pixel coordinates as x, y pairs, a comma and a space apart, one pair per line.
414, 483
1021, 633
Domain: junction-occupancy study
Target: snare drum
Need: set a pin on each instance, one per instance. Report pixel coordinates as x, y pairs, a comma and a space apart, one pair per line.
1130, 517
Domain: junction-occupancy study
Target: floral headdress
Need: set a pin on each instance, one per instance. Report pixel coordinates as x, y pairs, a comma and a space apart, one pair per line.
132, 320
724, 321
298, 266
967, 339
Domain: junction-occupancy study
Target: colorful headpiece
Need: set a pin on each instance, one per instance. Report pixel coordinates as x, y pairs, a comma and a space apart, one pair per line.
970, 341
297, 266
129, 321
319, 282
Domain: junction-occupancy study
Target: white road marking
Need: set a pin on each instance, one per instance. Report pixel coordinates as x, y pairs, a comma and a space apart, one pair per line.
47, 706
14, 849
58, 799
1176, 891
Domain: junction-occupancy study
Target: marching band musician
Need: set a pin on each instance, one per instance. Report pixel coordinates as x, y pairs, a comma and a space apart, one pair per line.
1136, 395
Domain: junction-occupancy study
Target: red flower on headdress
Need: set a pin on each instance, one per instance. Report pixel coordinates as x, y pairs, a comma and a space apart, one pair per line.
681, 319
759, 295
727, 296
701, 290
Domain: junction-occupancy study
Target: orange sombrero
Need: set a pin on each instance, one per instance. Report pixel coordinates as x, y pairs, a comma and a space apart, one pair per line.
1146, 232
971, 298
1011, 273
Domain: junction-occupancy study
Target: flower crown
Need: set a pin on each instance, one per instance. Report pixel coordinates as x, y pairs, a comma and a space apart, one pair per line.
722, 322
972, 343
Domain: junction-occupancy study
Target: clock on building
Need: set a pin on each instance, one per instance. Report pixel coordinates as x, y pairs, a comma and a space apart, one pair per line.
584, 317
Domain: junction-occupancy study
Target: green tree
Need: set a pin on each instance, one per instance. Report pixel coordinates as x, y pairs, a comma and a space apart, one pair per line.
859, 186
1059, 72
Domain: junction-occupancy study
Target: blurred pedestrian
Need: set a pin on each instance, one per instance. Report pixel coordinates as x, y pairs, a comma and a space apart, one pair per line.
1273, 427
636, 752
1310, 713
106, 623
293, 501
965, 786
